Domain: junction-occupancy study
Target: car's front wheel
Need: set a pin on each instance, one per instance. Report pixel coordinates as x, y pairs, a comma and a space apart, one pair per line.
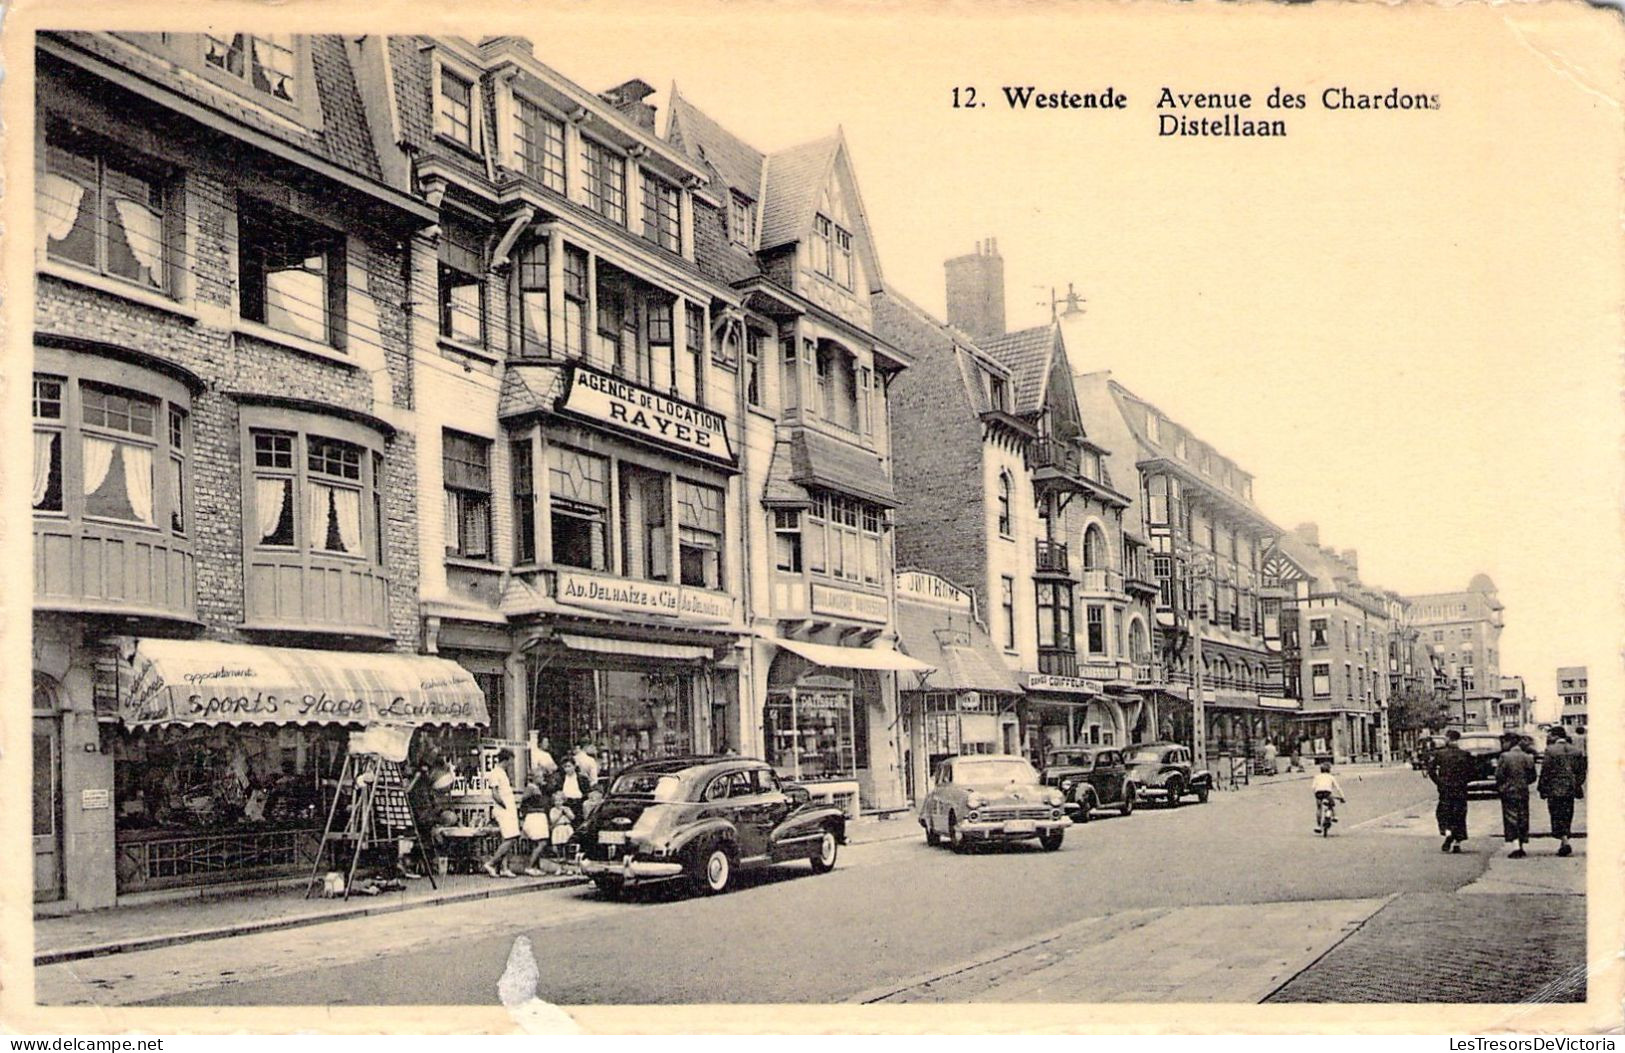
610, 888
956, 836
1128, 802
1201, 795
823, 861
714, 870
1176, 790
1051, 842
932, 838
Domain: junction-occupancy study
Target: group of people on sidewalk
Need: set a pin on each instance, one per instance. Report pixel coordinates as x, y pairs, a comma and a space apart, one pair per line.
1560, 780
556, 796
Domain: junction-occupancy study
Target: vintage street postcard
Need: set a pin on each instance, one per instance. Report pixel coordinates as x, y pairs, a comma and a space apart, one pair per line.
786, 517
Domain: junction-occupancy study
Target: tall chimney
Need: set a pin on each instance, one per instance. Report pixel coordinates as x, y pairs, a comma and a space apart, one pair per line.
628, 99
976, 291
1308, 533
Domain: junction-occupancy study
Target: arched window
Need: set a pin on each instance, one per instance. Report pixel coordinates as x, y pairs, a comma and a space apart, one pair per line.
1137, 649
1094, 548
1004, 504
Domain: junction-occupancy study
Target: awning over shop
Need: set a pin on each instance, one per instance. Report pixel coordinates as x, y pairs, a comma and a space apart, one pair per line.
964, 657
833, 657
201, 682
635, 648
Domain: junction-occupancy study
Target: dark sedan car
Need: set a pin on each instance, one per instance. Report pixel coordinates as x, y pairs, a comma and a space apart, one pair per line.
1484, 749
1164, 772
703, 819
1092, 777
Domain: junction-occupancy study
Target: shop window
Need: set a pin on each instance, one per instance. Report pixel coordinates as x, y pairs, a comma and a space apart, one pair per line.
462, 283
660, 211
334, 487
524, 501
119, 439
541, 145
290, 273
101, 211
606, 180
575, 302
48, 437
645, 523
466, 461
578, 510
811, 733
753, 368
741, 220
630, 715
454, 109
265, 63
692, 380
787, 540
700, 533
1007, 604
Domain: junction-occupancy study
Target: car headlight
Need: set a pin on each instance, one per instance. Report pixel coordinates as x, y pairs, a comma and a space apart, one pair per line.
974, 801
1055, 798
1067, 784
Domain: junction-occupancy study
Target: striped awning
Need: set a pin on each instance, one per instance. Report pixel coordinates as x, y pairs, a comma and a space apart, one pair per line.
635, 648
832, 656
202, 682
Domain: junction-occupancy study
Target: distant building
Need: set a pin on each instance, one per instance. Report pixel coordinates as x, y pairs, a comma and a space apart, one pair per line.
1571, 688
1515, 705
1464, 628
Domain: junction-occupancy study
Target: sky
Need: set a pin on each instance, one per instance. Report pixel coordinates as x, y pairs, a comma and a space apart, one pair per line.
1405, 324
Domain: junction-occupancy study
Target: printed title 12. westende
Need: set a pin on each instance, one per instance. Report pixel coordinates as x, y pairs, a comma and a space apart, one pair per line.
1029, 97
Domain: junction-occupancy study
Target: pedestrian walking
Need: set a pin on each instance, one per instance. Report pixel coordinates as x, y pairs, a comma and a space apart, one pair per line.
1452, 770
586, 761
1562, 779
1514, 771
1297, 755
505, 811
1269, 756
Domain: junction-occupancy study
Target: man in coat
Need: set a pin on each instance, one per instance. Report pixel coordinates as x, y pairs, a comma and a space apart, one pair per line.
1452, 769
1562, 779
1514, 771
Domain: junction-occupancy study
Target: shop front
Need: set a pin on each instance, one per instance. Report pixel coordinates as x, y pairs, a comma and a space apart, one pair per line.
226, 756
964, 703
1063, 711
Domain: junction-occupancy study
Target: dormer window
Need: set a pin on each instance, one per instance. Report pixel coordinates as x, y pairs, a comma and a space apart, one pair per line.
998, 393
606, 181
660, 213
265, 62
454, 109
1153, 427
741, 220
541, 145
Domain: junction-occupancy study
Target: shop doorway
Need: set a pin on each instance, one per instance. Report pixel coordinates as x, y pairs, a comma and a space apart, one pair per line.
47, 829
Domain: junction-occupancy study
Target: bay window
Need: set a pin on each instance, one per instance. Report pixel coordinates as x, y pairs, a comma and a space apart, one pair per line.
787, 540
119, 438
466, 464
524, 501
541, 145
535, 319
1055, 615
48, 437
308, 491
578, 508
290, 273
575, 302
645, 523
606, 181
693, 387
102, 212
700, 532
274, 477
842, 538
334, 488
1096, 628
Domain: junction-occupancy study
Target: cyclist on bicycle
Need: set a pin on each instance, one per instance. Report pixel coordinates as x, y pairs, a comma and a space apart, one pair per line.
1325, 788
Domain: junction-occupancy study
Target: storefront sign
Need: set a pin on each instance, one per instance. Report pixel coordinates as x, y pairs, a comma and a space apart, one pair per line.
1272, 702
1069, 684
647, 414
643, 597
929, 588
92, 800
1106, 670
846, 603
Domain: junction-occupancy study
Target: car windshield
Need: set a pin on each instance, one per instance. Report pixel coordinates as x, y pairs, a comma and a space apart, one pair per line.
1481, 745
659, 785
1153, 756
1083, 759
995, 771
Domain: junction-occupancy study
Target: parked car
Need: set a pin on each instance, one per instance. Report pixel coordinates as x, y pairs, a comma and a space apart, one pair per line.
1162, 772
1091, 777
703, 819
991, 797
1484, 749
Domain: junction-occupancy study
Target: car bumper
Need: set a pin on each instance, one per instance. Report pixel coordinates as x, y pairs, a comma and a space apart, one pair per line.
1152, 793
1012, 830
631, 870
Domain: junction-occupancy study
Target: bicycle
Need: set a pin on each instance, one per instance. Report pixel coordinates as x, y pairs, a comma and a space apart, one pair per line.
1325, 812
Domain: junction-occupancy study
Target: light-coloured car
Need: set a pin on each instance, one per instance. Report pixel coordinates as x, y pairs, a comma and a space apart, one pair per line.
992, 797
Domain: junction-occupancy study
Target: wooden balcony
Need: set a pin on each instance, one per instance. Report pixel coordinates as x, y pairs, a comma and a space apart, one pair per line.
1054, 661
1101, 581
300, 592
108, 568
1138, 578
1050, 557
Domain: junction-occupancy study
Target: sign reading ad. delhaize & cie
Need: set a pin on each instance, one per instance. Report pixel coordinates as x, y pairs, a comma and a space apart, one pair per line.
647, 414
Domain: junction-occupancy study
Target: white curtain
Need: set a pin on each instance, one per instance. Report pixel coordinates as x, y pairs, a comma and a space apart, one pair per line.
138, 480
44, 450
347, 505
321, 507
270, 495
98, 459
143, 233
58, 206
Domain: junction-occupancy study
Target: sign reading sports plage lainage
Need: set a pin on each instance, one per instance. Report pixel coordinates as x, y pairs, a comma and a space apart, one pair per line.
647, 414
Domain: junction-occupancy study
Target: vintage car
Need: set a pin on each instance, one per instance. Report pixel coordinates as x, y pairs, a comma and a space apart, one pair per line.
1091, 777
991, 797
703, 819
1485, 749
1162, 772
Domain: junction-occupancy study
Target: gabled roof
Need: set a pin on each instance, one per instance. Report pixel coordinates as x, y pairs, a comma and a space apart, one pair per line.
795, 177
1028, 354
950, 333
737, 162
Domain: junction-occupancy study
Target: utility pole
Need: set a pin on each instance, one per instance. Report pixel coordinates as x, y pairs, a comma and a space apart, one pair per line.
1197, 571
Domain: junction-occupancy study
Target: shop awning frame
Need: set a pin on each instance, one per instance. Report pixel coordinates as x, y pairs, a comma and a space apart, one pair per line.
636, 648
832, 656
208, 683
